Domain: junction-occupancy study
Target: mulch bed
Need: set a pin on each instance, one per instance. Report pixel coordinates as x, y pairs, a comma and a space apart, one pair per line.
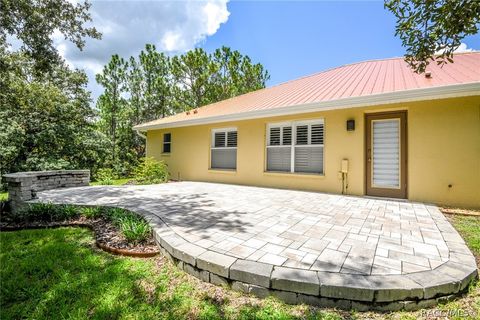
107, 236
460, 211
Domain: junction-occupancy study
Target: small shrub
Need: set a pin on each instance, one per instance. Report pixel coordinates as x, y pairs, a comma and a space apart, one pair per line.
47, 212
92, 212
39, 212
69, 211
106, 176
135, 230
133, 227
151, 171
114, 214
4, 204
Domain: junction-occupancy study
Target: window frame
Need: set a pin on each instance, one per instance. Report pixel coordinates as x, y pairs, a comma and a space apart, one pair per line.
293, 144
166, 142
213, 147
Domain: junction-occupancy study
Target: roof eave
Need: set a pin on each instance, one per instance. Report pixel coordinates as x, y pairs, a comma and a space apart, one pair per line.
440, 92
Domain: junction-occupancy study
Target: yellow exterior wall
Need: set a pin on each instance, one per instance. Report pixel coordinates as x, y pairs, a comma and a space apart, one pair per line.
443, 148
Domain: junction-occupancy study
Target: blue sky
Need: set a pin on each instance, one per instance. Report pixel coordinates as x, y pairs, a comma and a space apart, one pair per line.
293, 39
290, 38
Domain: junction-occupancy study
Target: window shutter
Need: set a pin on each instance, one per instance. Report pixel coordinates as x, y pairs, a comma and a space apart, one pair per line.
219, 139
232, 139
224, 150
296, 147
275, 136
287, 136
317, 134
302, 135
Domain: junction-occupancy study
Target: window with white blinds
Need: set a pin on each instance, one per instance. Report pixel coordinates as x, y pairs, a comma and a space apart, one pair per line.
295, 147
224, 149
386, 153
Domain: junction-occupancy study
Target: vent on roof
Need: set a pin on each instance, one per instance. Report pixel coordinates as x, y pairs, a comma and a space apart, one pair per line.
195, 111
428, 74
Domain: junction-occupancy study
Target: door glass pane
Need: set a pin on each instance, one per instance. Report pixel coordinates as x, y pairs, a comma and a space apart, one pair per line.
386, 153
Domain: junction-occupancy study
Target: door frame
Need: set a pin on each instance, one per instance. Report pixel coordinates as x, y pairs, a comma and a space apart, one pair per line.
401, 193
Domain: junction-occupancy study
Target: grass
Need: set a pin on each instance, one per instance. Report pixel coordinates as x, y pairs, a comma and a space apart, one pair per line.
58, 273
469, 228
114, 182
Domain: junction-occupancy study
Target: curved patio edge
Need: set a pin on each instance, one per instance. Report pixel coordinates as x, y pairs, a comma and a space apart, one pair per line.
394, 292
408, 292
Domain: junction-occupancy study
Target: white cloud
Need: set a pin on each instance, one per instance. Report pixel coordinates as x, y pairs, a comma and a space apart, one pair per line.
463, 48
216, 14
172, 41
126, 26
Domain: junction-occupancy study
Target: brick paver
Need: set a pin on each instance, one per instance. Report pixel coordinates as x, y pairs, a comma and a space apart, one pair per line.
306, 230
302, 247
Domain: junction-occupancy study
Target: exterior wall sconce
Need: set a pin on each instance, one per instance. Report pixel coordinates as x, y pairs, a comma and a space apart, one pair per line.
351, 125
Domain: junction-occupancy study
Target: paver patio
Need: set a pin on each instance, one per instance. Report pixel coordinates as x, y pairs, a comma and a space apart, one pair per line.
334, 239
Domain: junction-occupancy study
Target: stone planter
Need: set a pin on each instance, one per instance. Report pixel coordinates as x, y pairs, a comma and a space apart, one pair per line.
23, 186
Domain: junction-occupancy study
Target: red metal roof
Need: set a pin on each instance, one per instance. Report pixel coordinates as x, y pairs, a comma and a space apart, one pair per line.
360, 79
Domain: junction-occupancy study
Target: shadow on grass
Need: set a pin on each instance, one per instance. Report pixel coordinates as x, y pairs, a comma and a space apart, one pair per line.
58, 273
51, 274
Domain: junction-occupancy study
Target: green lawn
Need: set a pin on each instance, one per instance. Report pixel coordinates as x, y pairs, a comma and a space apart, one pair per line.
58, 273
469, 228
116, 182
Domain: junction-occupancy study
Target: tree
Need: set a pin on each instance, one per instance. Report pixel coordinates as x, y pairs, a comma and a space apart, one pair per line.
46, 122
234, 74
111, 103
34, 23
431, 30
191, 73
201, 78
155, 68
153, 86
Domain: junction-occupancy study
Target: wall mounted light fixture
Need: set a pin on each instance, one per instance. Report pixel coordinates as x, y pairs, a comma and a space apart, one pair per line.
351, 125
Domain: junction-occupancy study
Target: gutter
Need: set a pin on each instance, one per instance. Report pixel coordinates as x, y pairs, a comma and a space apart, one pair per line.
440, 92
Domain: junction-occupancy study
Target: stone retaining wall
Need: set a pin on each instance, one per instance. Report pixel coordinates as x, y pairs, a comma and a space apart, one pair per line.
324, 289
23, 186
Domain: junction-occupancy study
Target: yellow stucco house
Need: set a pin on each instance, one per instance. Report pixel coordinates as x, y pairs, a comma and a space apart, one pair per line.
372, 128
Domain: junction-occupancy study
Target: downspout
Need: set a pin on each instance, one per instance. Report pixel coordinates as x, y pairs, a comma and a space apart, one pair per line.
144, 137
141, 135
